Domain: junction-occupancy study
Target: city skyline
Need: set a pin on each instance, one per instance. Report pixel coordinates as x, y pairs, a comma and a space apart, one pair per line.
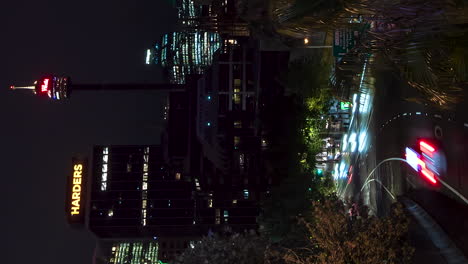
106, 46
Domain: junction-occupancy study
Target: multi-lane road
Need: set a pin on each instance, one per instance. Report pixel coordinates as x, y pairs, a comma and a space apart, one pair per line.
385, 123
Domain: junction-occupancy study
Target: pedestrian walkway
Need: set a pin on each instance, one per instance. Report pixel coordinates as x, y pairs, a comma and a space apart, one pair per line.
431, 242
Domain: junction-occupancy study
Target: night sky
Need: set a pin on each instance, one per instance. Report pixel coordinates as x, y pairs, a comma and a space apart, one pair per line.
91, 41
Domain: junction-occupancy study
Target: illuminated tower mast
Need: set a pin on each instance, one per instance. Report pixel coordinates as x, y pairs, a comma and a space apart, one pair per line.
60, 88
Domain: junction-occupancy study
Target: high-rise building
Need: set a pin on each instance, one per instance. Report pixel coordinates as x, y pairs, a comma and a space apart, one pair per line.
220, 16
183, 53
134, 193
230, 133
204, 28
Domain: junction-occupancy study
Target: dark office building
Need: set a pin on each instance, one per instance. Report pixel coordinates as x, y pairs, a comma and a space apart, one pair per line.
134, 193
230, 134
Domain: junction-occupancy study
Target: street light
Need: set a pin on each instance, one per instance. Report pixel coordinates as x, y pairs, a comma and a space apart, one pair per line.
306, 46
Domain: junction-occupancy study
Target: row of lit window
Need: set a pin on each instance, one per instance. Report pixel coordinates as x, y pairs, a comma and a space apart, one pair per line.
104, 168
218, 216
134, 253
144, 185
210, 202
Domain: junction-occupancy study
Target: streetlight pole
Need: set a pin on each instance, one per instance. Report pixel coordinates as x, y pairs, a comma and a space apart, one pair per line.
367, 181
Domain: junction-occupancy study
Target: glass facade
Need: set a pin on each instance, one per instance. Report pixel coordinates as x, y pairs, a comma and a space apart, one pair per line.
135, 193
189, 50
182, 53
134, 253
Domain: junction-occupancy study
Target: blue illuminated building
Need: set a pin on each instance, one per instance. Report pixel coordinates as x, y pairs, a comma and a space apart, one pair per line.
182, 53
205, 26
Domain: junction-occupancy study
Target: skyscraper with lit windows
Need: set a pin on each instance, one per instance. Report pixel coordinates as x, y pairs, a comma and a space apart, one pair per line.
134, 193
183, 53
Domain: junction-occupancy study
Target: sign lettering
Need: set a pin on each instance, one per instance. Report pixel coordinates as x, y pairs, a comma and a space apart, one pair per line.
76, 189
45, 85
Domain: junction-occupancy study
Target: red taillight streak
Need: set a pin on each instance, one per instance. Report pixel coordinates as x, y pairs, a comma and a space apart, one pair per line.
427, 152
426, 146
429, 175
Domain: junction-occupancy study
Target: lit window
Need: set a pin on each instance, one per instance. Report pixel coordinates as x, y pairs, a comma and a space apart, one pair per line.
105, 158
236, 96
104, 167
210, 203
197, 184
105, 150
145, 167
234, 201
217, 217
246, 194
103, 186
104, 176
238, 124
148, 56
226, 216
145, 186
177, 176
236, 141
143, 220
169, 203
242, 161
129, 167
110, 213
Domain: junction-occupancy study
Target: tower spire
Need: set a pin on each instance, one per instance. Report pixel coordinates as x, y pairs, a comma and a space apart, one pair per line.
32, 87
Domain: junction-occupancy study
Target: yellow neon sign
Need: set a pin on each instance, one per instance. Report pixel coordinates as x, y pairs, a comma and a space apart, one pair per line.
76, 189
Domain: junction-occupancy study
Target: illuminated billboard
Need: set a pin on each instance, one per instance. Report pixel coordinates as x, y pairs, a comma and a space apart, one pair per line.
76, 192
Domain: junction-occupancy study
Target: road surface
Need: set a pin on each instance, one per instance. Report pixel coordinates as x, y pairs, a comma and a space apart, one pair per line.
384, 123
